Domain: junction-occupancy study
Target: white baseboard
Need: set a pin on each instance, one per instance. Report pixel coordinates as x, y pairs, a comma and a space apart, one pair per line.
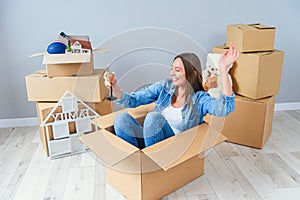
18, 122
33, 121
287, 106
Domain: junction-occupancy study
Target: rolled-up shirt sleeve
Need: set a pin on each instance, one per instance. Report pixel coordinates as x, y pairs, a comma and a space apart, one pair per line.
218, 107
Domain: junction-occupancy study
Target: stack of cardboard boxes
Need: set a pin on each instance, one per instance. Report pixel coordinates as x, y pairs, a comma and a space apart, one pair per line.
256, 79
73, 72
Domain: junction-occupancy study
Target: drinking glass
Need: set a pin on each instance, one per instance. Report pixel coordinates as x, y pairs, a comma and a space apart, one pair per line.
110, 77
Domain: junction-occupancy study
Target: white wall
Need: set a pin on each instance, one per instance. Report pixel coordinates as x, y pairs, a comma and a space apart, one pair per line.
28, 26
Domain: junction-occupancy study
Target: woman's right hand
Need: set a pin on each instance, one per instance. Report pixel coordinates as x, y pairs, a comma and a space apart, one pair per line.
110, 79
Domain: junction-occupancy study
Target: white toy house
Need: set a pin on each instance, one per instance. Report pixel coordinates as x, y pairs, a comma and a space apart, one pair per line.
77, 48
74, 112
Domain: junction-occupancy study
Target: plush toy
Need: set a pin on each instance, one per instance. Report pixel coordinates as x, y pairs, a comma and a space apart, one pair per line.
211, 76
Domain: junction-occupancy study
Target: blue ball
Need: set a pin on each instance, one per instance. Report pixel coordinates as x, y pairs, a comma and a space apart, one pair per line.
56, 48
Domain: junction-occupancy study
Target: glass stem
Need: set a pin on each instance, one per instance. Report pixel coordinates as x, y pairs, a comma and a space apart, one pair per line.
111, 91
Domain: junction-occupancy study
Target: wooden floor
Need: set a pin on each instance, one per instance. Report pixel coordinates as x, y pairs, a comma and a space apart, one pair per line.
231, 171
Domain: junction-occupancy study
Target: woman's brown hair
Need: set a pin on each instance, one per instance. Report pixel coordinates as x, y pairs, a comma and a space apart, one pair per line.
193, 71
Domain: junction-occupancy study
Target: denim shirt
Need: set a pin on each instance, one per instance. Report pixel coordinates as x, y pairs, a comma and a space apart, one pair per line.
161, 92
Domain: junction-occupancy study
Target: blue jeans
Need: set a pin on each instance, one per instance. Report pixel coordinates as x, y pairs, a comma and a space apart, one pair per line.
155, 129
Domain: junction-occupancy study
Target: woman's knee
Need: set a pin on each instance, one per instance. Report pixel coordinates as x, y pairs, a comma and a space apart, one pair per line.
122, 118
154, 118
128, 129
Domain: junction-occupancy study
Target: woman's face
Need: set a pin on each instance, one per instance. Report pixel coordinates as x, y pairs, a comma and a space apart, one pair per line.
178, 73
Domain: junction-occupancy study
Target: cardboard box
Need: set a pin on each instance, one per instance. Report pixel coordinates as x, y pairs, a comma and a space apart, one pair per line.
250, 123
73, 64
251, 37
87, 88
256, 75
155, 171
44, 108
78, 63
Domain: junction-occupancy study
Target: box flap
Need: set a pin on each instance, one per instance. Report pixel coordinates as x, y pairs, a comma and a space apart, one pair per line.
100, 50
40, 73
108, 147
261, 26
37, 55
266, 53
243, 27
253, 26
106, 121
177, 149
219, 49
216, 122
67, 58
141, 111
243, 98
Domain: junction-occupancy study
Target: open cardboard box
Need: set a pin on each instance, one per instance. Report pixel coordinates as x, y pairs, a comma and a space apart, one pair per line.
155, 171
251, 37
256, 75
87, 88
71, 64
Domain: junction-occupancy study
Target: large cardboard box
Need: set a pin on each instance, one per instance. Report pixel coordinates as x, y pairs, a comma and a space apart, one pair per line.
44, 108
87, 88
250, 123
155, 171
251, 37
73, 64
256, 75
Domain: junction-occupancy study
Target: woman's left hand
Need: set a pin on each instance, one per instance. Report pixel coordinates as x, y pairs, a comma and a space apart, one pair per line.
228, 57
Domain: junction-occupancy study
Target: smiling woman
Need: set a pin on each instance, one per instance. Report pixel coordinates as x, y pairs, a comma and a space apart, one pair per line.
181, 102
178, 72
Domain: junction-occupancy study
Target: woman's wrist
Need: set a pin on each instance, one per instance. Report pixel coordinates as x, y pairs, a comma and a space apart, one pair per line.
223, 70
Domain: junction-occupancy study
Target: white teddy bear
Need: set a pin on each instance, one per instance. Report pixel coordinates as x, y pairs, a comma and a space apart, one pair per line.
211, 76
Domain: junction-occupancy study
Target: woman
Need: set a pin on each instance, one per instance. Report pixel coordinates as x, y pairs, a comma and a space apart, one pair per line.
181, 102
